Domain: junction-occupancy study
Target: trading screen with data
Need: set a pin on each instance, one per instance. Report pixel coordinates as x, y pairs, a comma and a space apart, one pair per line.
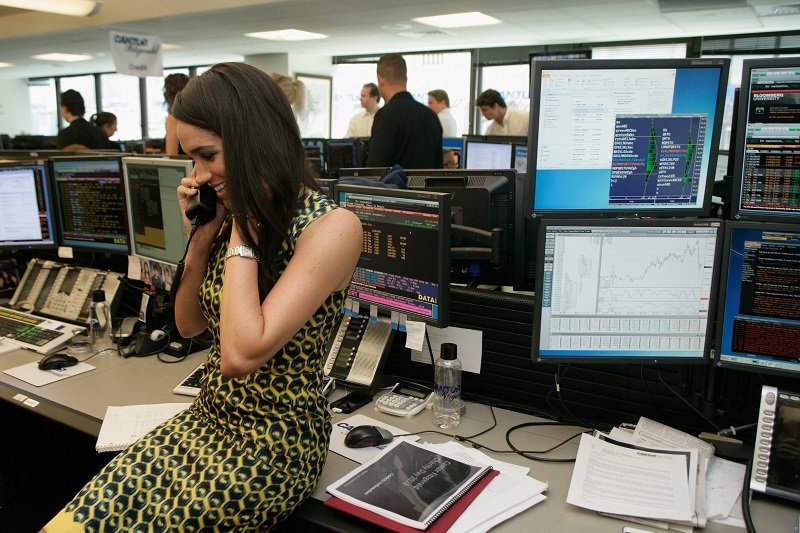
632, 136
404, 263
625, 290
759, 323
767, 147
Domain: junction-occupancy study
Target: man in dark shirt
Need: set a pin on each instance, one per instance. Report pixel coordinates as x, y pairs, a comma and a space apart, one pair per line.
404, 132
79, 132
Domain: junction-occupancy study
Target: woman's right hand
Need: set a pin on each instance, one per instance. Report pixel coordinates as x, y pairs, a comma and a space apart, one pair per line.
188, 188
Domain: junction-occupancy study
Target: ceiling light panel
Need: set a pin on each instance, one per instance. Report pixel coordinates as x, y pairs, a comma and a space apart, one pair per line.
75, 8
68, 58
458, 20
287, 35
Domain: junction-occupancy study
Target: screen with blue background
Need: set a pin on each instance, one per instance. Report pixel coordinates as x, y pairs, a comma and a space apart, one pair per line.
594, 125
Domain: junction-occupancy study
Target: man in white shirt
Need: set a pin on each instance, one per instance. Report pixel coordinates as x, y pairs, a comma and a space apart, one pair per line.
439, 103
504, 121
361, 123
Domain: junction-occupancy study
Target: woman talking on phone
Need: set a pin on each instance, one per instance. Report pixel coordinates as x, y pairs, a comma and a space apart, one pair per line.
267, 275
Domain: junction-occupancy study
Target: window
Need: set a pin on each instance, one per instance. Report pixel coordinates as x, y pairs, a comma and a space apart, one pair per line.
449, 71
512, 82
44, 111
120, 94
85, 86
156, 106
644, 51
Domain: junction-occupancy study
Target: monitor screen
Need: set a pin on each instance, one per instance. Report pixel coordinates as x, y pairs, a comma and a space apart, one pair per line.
482, 155
404, 260
759, 315
156, 223
486, 217
625, 290
90, 202
766, 172
623, 137
521, 158
342, 153
27, 214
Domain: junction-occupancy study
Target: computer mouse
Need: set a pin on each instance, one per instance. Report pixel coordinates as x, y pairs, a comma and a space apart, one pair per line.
363, 436
57, 361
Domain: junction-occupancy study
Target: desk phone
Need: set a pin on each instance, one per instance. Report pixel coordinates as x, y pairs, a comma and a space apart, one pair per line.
405, 399
63, 291
358, 349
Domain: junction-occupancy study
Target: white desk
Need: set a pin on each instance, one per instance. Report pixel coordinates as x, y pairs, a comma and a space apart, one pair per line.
81, 402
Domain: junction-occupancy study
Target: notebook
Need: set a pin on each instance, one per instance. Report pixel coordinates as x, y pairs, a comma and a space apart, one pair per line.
124, 425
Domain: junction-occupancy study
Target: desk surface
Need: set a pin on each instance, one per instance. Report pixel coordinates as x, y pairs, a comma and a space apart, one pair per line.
81, 402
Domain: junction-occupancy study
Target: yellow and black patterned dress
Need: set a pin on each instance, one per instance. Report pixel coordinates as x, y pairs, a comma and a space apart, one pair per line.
244, 455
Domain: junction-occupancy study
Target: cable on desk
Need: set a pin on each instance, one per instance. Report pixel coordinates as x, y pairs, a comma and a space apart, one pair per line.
649, 394
748, 518
687, 402
572, 417
526, 453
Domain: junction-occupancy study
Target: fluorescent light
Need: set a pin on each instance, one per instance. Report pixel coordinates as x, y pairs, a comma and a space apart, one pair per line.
3, 64
76, 8
170, 46
458, 20
287, 35
68, 58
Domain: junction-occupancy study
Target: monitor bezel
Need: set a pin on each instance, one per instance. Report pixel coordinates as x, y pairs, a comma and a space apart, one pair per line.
625, 222
49, 203
516, 183
83, 245
740, 140
512, 140
730, 227
537, 66
443, 243
185, 163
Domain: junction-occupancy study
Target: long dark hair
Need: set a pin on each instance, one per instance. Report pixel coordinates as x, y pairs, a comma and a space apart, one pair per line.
265, 166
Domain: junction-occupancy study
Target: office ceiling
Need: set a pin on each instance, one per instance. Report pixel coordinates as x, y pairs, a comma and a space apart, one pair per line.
203, 32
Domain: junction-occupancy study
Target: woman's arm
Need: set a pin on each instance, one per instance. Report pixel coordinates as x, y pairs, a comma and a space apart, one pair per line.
189, 318
171, 144
252, 331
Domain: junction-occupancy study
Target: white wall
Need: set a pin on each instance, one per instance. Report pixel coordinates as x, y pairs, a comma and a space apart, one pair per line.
15, 116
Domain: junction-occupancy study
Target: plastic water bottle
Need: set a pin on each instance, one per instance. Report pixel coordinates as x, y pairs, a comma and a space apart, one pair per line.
447, 402
100, 316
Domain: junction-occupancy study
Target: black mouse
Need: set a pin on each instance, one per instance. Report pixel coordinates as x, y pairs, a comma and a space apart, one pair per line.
57, 361
363, 436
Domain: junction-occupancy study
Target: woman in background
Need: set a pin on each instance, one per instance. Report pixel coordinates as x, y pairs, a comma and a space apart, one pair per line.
173, 84
107, 122
295, 91
267, 276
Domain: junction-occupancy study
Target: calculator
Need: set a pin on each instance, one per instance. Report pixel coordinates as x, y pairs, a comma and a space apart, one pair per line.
405, 399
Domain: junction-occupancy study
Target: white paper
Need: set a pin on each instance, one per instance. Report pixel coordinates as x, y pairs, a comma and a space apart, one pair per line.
723, 487
124, 425
615, 479
6, 347
30, 373
469, 341
415, 334
360, 455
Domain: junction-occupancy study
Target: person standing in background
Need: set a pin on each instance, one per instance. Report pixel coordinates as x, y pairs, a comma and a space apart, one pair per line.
173, 84
439, 103
404, 131
361, 123
504, 121
108, 123
79, 131
294, 90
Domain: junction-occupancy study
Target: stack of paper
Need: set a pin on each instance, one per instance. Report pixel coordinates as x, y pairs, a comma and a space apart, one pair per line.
654, 475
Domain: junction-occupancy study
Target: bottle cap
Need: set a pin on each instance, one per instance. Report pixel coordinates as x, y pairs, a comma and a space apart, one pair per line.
98, 295
449, 350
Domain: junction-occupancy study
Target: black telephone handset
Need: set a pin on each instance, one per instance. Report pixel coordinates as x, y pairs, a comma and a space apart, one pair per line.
202, 207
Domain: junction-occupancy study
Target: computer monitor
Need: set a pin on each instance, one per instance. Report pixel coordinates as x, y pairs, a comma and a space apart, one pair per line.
490, 152
452, 152
404, 260
486, 217
314, 149
521, 158
625, 137
155, 220
759, 305
90, 203
27, 213
625, 290
342, 153
766, 172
